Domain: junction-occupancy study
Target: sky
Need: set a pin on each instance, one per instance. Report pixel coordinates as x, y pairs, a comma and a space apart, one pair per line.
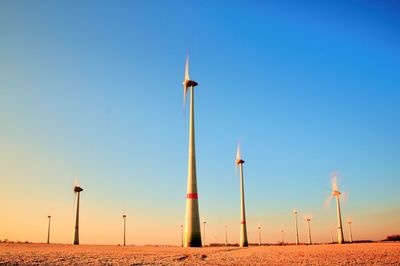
91, 92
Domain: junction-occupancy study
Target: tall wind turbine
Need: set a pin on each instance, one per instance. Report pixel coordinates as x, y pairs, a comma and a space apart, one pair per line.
308, 219
336, 193
204, 233
48, 230
78, 191
243, 229
226, 236
350, 232
295, 212
192, 218
181, 235
124, 217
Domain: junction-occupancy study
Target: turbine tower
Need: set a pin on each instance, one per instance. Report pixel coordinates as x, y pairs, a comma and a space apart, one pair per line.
181, 235
124, 217
78, 191
308, 219
48, 230
350, 232
192, 218
204, 233
243, 229
226, 236
295, 212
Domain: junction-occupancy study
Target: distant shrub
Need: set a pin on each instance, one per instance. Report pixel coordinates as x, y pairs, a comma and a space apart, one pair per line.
393, 238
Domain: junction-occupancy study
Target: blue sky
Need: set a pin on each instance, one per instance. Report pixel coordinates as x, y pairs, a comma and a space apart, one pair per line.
92, 90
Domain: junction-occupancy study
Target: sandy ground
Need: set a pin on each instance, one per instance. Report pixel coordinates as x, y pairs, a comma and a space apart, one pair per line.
348, 254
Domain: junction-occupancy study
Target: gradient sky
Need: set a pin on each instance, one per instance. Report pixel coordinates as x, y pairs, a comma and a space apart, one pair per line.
92, 90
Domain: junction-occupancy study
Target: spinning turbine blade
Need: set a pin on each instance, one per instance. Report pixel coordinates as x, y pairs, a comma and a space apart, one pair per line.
345, 197
334, 182
328, 201
187, 68
237, 158
185, 86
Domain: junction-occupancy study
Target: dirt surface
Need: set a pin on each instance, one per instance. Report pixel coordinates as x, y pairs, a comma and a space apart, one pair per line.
347, 254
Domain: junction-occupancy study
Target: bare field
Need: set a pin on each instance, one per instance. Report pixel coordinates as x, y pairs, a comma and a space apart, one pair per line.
57, 254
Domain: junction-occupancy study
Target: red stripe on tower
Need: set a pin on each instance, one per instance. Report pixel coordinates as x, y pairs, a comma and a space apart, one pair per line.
192, 196
243, 222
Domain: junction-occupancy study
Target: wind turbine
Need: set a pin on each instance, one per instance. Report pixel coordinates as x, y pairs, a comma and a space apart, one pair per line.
192, 218
78, 191
350, 232
308, 219
336, 193
124, 218
48, 230
204, 233
295, 212
243, 229
226, 236
181, 235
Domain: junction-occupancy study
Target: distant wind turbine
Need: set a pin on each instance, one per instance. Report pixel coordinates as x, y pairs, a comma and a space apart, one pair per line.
336, 193
124, 239
48, 230
350, 232
295, 212
308, 219
77, 190
243, 229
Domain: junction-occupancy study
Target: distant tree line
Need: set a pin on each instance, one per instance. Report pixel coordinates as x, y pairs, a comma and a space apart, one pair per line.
393, 238
9, 241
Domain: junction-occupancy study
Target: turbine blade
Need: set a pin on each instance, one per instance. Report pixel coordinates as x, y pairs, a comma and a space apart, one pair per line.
328, 201
238, 152
76, 181
237, 158
334, 182
185, 87
187, 68
345, 197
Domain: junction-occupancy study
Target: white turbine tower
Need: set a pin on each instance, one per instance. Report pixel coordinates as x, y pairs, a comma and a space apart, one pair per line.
192, 219
48, 230
77, 190
243, 229
308, 219
295, 212
226, 235
336, 193
124, 218
350, 232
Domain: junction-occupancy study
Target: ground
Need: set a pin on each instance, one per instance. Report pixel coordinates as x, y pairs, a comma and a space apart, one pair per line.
57, 254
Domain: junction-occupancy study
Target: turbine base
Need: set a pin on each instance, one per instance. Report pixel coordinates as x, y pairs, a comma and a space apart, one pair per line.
194, 241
